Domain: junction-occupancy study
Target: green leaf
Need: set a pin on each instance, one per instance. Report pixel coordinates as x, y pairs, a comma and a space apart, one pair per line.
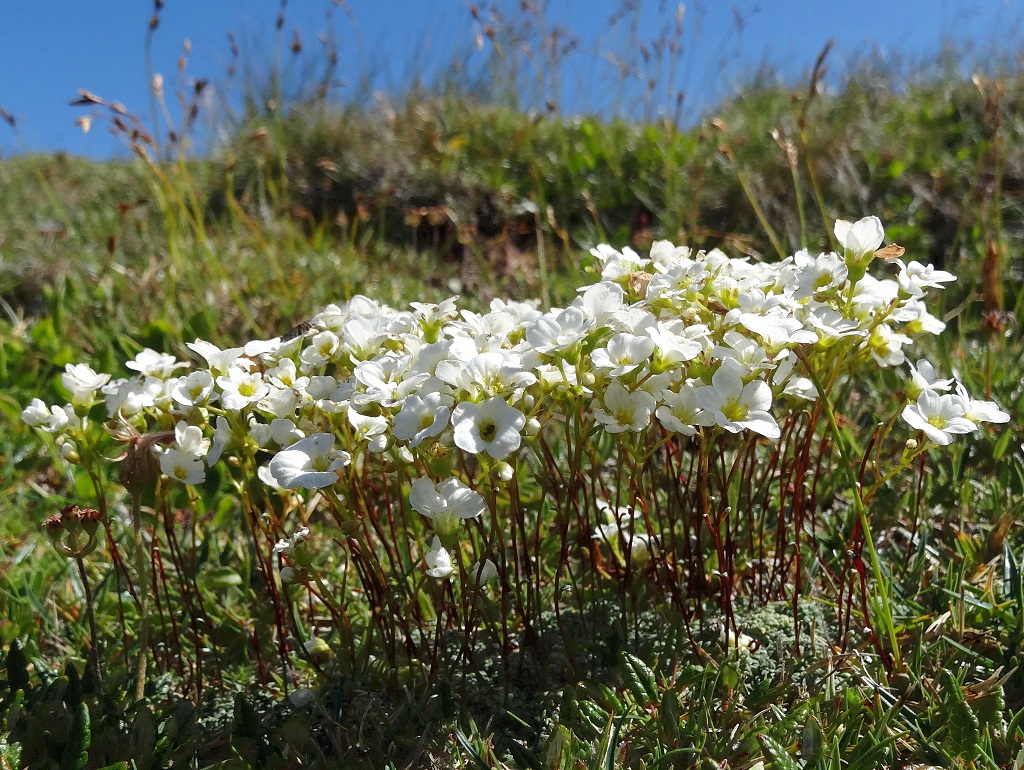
606, 750
473, 754
639, 678
990, 708
963, 735
524, 757
76, 750
812, 742
780, 758
219, 578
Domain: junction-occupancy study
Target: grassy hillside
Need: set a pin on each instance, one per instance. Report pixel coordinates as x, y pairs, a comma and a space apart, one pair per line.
433, 196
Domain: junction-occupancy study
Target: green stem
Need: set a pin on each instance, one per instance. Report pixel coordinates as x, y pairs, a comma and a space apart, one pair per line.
860, 510
94, 637
759, 213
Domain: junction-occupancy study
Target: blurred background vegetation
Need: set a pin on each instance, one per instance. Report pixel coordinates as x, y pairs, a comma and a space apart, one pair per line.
466, 187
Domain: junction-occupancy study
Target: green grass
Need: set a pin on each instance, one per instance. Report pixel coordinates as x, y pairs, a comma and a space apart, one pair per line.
98, 260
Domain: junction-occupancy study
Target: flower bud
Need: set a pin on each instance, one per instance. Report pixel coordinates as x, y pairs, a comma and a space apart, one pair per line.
481, 572
532, 427
291, 576
70, 453
317, 648
502, 471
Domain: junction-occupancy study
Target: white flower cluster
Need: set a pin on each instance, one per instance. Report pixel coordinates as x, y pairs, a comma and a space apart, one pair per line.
680, 341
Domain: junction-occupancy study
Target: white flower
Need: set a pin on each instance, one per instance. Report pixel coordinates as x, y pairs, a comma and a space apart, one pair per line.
623, 410
182, 466
886, 346
241, 388
871, 295
287, 547
286, 375
218, 360
616, 264
558, 331
777, 332
640, 547
279, 402
82, 382
830, 324
366, 426
736, 406
422, 417
482, 572
310, 463
320, 350
917, 319
129, 397
384, 380
221, 438
285, 432
625, 352
439, 561
50, 419
153, 364
429, 314
494, 372
617, 519
859, 239
189, 439
447, 504
819, 275
741, 350
679, 281
676, 343
264, 474
914, 278
194, 389
491, 426
940, 417
681, 412
363, 335
791, 383
924, 377
601, 302
980, 411
36, 413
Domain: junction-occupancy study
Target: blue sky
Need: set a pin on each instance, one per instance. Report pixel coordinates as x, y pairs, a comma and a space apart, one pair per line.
51, 49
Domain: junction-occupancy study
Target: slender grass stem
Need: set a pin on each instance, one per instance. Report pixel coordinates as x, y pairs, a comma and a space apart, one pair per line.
142, 569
